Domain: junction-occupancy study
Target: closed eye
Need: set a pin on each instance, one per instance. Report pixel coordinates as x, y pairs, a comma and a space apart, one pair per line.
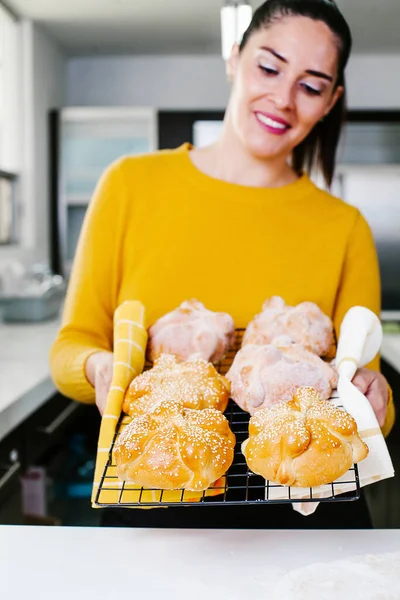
268, 70
310, 90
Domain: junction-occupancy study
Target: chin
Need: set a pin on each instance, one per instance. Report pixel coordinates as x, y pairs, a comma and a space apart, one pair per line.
268, 146
266, 151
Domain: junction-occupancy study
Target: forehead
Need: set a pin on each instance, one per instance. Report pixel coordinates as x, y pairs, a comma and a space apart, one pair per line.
308, 43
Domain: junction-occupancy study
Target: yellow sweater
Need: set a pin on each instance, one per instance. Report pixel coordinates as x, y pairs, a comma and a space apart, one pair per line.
160, 231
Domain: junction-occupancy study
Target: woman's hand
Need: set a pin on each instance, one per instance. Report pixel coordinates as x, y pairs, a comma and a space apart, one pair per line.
375, 387
99, 369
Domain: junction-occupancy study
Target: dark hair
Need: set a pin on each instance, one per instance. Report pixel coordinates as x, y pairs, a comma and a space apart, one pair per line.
319, 147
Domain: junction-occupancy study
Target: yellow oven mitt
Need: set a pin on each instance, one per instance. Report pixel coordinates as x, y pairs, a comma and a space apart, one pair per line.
130, 339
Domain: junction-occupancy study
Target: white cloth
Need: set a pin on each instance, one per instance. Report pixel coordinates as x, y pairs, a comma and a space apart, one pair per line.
359, 342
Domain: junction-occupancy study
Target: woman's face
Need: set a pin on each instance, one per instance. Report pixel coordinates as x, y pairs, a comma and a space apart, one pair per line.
283, 84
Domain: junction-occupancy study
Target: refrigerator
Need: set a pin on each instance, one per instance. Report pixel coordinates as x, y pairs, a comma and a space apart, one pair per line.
83, 143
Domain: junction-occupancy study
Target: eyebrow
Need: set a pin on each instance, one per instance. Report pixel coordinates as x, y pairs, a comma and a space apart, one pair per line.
308, 71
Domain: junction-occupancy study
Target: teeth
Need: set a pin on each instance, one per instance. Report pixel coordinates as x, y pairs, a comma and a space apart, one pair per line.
271, 122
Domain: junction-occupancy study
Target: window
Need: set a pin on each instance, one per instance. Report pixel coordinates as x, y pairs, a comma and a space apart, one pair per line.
7, 208
10, 116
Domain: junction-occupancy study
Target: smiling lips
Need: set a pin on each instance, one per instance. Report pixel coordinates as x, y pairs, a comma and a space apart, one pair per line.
272, 124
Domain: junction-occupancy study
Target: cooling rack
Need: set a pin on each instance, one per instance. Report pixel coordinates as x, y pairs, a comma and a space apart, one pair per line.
240, 486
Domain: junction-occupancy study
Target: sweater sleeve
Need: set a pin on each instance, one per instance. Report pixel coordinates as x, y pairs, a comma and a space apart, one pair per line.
87, 323
360, 285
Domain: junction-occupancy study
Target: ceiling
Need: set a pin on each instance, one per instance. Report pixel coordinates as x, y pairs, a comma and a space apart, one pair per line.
84, 27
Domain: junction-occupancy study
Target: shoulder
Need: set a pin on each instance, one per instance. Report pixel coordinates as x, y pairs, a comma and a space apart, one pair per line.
346, 221
332, 201
143, 165
333, 207
129, 173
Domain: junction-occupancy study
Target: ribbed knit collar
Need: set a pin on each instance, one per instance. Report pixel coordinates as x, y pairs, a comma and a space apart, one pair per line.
292, 191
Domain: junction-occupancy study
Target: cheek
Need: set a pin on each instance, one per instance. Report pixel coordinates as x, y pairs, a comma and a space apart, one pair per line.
259, 89
242, 97
310, 111
244, 93
249, 87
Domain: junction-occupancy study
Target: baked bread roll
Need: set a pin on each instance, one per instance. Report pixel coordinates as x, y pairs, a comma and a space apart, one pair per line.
261, 376
304, 442
303, 324
196, 384
191, 331
175, 448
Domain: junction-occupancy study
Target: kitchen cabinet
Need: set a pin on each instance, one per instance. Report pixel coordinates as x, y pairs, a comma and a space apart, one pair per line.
49, 438
384, 497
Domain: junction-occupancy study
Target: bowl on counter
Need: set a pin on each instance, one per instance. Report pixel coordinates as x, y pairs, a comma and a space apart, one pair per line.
32, 308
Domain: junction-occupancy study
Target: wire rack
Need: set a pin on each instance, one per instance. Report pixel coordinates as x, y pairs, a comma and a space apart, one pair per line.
240, 486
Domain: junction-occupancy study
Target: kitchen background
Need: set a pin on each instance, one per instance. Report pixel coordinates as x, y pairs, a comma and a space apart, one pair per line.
84, 82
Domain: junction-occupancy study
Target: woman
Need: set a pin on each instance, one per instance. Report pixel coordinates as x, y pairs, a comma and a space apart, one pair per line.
232, 224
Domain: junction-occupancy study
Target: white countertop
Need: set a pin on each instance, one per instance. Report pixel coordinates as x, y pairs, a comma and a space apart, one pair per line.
390, 350
120, 563
25, 382
390, 315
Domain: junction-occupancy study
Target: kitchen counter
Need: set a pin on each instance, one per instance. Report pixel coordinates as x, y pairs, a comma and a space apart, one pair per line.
390, 350
96, 563
25, 382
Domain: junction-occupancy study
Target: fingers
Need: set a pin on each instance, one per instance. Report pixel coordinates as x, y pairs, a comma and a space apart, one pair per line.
378, 400
375, 388
381, 416
363, 379
101, 396
360, 384
96, 362
103, 378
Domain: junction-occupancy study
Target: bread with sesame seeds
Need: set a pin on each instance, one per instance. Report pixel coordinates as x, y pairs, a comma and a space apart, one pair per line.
191, 331
304, 442
175, 448
195, 383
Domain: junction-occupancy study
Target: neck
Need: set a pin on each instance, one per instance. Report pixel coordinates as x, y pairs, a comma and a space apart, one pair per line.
228, 160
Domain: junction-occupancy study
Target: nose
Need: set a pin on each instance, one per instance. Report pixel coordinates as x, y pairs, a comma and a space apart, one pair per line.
283, 95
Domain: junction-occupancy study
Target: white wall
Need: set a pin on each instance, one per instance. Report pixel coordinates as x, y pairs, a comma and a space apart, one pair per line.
164, 82
199, 81
44, 87
374, 82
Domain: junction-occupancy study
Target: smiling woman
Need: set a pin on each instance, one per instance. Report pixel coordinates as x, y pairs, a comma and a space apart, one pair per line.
294, 55
232, 224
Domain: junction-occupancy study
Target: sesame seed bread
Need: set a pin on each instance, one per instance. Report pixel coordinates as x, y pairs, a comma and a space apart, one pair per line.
304, 442
196, 384
175, 448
